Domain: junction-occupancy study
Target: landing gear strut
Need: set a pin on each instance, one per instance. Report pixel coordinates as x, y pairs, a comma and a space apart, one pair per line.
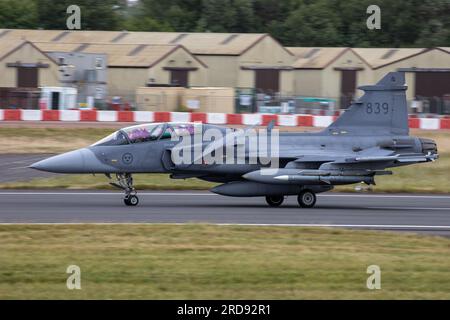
274, 201
125, 182
306, 199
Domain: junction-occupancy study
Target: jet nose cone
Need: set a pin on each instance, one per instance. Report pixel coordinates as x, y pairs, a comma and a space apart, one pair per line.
70, 162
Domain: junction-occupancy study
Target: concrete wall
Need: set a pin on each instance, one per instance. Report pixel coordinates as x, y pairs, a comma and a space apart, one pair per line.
207, 99
222, 70
307, 82
287, 82
124, 81
48, 77
158, 98
219, 100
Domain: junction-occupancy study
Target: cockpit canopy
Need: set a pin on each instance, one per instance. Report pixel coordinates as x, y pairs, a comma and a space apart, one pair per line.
149, 132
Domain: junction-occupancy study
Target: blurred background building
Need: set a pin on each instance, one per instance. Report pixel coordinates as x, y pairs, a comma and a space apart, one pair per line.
208, 72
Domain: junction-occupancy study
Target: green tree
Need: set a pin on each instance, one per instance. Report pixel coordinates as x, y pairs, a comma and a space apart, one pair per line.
217, 16
18, 14
313, 24
95, 15
436, 32
293, 22
169, 15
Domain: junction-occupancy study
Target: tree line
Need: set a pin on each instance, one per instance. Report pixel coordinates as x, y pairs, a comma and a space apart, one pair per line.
404, 23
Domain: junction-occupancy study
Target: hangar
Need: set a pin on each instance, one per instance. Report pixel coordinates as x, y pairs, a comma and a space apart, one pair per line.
24, 68
137, 65
427, 73
337, 72
235, 60
23, 64
327, 72
246, 60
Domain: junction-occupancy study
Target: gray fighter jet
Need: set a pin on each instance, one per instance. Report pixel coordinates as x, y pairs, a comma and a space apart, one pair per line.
369, 137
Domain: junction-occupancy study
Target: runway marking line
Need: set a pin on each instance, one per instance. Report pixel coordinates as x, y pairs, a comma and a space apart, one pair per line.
364, 226
408, 208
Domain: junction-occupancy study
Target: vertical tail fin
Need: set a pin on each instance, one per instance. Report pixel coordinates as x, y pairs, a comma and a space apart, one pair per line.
381, 110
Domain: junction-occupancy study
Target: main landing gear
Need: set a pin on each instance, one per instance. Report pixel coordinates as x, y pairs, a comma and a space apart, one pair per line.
125, 182
306, 199
274, 201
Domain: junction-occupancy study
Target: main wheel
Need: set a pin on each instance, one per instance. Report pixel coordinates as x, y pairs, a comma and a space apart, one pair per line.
131, 201
306, 199
274, 201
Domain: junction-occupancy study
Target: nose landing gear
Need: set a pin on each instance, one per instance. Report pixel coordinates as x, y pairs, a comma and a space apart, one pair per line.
125, 182
131, 200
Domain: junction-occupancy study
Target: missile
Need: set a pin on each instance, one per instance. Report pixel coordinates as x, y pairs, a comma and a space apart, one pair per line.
308, 177
334, 180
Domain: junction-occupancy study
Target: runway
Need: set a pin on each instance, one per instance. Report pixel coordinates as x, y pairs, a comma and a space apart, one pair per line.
13, 167
419, 213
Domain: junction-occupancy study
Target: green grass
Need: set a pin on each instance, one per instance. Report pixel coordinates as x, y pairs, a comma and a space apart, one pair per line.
218, 262
429, 177
48, 140
55, 133
141, 181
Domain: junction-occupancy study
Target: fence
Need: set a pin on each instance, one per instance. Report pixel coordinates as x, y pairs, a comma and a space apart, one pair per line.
19, 98
243, 101
211, 118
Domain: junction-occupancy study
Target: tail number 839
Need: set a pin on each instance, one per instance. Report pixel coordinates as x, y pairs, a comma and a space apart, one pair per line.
377, 108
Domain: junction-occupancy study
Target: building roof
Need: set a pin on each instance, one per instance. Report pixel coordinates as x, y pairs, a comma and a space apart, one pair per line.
380, 57
7, 46
119, 55
197, 43
446, 49
315, 57
321, 57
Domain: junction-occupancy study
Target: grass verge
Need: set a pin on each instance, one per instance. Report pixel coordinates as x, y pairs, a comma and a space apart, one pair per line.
48, 140
219, 262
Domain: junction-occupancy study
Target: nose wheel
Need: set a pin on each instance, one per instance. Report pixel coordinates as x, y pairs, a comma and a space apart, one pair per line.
125, 182
131, 201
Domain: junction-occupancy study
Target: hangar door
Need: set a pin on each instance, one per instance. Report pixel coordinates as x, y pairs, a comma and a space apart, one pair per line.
267, 80
433, 87
348, 87
27, 77
179, 77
